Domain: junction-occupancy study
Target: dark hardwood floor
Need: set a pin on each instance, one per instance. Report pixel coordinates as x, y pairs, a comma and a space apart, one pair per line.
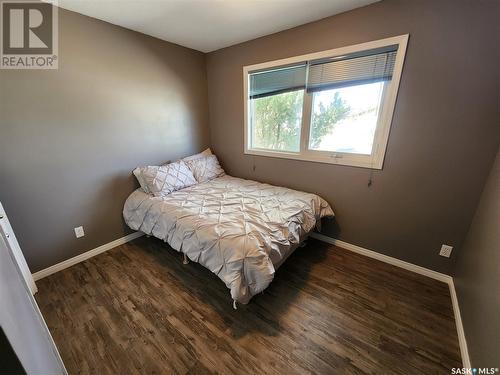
138, 309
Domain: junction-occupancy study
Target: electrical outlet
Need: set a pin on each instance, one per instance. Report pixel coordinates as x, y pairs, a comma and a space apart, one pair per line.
446, 251
79, 232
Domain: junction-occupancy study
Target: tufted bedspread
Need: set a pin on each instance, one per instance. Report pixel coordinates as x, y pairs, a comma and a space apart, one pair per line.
241, 230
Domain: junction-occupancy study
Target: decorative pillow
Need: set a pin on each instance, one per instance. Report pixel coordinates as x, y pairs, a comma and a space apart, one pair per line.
205, 169
163, 180
207, 152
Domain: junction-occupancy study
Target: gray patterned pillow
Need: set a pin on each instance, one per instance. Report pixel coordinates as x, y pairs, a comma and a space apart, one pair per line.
165, 179
205, 169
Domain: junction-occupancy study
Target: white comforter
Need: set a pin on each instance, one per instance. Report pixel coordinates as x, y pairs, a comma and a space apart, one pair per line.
239, 229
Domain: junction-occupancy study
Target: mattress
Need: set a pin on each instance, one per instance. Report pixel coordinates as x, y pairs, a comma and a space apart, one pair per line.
241, 230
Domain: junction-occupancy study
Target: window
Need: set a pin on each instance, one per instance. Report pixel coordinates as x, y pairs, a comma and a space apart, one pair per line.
333, 107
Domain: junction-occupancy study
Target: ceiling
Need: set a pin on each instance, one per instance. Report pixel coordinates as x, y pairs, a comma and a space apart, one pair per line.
208, 25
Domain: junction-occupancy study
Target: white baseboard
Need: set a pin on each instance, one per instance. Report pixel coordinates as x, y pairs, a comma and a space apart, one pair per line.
384, 258
460, 328
414, 268
88, 254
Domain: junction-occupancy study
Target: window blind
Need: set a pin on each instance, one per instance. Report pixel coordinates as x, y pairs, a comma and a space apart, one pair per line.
357, 68
277, 81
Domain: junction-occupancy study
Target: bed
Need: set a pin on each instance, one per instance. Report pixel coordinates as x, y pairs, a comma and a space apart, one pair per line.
241, 230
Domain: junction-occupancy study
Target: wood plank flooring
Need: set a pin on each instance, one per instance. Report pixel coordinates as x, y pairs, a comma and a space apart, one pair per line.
137, 309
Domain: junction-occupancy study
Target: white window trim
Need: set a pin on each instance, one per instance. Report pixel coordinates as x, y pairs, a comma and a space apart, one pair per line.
376, 159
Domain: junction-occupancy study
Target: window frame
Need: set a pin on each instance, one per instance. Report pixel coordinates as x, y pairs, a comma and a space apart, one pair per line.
376, 159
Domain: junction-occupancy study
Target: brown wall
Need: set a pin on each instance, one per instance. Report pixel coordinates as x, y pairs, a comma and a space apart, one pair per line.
444, 136
477, 276
70, 138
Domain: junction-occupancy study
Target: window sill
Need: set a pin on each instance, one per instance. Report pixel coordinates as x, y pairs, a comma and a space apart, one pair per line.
353, 160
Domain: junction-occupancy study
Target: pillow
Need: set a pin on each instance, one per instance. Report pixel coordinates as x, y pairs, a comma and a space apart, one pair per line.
207, 152
138, 171
206, 168
163, 180
138, 174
